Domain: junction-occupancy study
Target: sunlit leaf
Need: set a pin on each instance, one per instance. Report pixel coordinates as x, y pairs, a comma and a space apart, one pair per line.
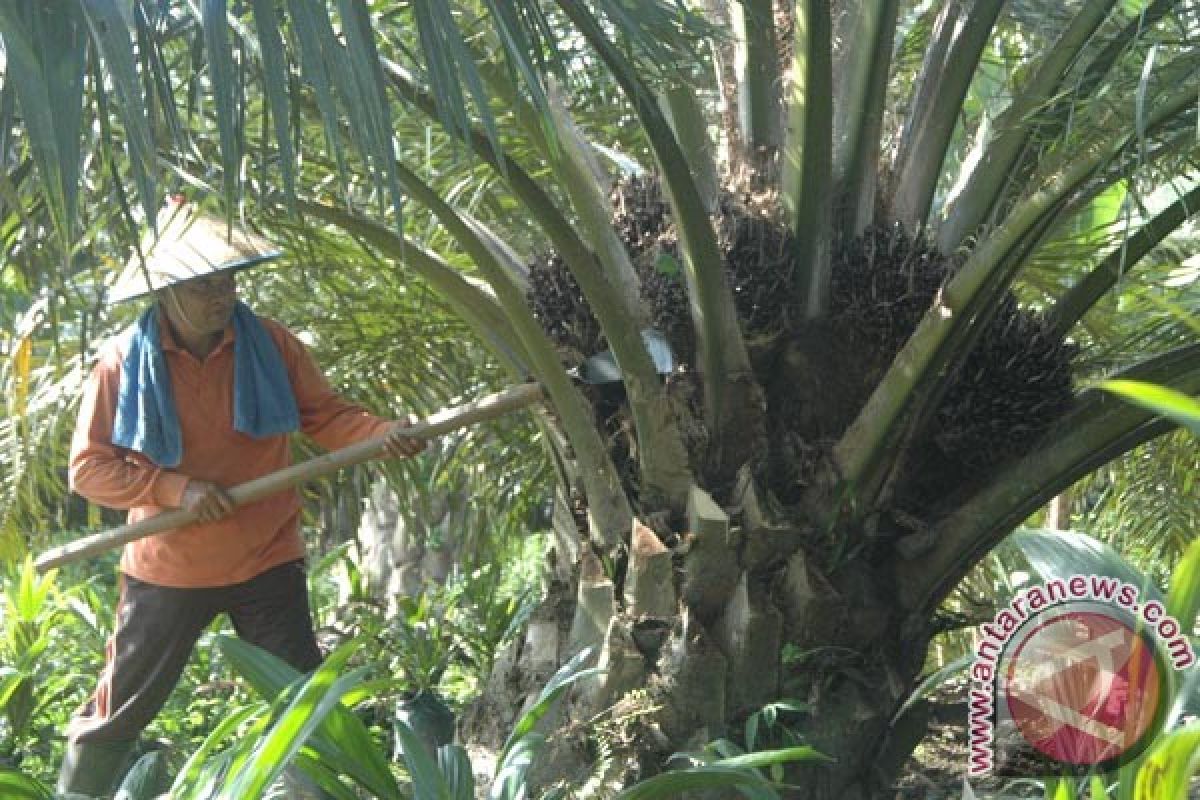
1162, 400
22, 360
1168, 769
15, 786
766, 758
1183, 593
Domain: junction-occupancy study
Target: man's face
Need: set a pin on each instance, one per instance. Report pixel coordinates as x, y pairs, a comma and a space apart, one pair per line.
207, 303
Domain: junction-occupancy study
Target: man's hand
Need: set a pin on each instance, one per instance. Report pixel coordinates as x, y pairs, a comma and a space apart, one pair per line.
206, 500
398, 445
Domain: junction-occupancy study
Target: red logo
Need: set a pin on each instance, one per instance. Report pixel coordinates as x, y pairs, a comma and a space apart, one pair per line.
1085, 688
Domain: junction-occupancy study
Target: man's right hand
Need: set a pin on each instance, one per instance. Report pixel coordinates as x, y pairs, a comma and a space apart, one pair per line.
206, 500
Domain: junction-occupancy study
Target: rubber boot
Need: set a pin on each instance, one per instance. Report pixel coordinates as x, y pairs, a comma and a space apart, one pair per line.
94, 769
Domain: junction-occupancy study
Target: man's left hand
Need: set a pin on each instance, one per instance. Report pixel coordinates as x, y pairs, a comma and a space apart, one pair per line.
400, 445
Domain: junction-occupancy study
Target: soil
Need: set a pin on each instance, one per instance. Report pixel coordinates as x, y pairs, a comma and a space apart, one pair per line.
937, 769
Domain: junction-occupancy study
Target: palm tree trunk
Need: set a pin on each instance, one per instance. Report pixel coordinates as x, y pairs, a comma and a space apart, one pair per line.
693, 644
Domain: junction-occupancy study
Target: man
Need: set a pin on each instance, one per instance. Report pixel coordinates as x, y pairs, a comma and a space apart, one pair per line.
197, 397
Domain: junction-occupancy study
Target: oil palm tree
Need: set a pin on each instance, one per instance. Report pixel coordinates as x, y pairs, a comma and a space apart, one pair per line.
871, 234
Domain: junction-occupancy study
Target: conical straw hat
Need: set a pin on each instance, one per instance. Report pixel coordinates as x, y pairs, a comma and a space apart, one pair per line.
190, 244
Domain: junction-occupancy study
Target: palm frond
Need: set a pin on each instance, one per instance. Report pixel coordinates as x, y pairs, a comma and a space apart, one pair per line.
808, 154
1142, 502
1099, 429
46, 49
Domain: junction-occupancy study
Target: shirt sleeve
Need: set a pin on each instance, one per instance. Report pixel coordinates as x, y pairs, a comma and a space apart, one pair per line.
104, 473
330, 420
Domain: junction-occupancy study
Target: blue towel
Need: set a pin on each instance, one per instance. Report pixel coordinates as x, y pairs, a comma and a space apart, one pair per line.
146, 421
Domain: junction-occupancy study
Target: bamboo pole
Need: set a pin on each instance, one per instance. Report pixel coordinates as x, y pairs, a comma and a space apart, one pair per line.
494, 405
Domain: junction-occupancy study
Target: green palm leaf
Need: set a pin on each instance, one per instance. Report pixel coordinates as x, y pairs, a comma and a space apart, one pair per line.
46, 48
1178, 406
1183, 594
1167, 771
110, 23
227, 96
370, 108
680, 782
275, 83
341, 738
568, 674
316, 698
1060, 554
428, 783
16, 786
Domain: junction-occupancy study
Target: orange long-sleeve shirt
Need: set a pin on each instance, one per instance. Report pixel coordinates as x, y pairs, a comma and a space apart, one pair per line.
256, 536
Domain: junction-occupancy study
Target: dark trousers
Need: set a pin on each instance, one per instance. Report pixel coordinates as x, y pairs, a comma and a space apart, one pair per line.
157, 627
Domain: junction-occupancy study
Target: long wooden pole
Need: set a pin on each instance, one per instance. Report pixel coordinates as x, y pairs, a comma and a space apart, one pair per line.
494, 405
